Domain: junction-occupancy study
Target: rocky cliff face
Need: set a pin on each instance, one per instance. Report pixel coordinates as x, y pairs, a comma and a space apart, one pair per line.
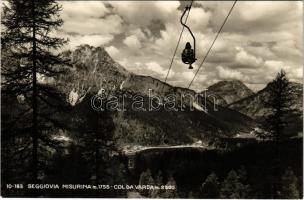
227, 92
92, 70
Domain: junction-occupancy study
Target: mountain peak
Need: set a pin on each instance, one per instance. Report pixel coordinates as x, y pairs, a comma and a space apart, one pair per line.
93, 69
225, 83
94, 58
229, 91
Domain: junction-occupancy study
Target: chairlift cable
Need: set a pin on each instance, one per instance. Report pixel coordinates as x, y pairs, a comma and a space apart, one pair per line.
212, 44
180, 37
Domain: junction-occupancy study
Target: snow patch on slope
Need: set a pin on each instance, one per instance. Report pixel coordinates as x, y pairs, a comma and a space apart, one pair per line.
198, 107
121, 85
73, 97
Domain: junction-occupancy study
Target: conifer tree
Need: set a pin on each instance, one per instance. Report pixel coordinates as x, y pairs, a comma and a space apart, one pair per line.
210, 188
289, 184
146, 179
28, 25
170, 193
158, 182
279, 106
280, 109
233, 188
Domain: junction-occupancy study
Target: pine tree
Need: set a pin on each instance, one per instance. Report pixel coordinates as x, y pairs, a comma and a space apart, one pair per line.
233, 188
26, 37
246, 189
159, 178
146, 179
158, 182
289, 184
210, 188
279, 105
172, 192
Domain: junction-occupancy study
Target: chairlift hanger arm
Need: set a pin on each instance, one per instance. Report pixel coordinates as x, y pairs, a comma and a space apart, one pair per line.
181, 21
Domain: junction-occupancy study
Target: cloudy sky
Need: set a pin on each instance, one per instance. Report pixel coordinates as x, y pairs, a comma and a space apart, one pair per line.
258, 39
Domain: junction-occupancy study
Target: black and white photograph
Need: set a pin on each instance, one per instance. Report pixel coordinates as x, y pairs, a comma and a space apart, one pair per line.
190, 99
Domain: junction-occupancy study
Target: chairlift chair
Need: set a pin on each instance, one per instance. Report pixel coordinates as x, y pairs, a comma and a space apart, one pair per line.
188, 54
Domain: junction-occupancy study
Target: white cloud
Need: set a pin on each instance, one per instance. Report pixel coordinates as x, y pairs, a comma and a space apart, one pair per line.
83, 9
156, 68
274, 64
142, 13
138, 34
89, 17
296, 74
111, 24
288, 48
132, 42
259, 11
198, 19
226, 73
113, 51
188, 75
244, 58
93, 40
